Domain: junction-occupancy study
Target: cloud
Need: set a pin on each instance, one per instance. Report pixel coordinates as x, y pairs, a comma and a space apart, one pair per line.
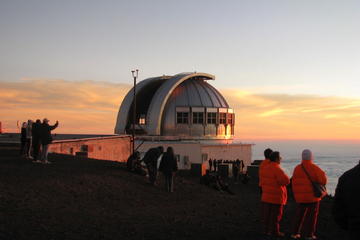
271, 112
92, 107
294, 116
80, 106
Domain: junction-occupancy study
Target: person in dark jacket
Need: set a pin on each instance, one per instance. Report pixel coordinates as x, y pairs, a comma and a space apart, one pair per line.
46, 138
23, 139
215, 163
346, 209
150, 159
36, 134
210, 164
130, 164
168, 166
235, 169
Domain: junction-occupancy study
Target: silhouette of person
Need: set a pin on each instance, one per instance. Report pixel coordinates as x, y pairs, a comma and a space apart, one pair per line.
346, 209
150, 159
168, 166
46, 138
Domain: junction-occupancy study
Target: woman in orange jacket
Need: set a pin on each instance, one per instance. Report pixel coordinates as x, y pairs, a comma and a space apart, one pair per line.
307, 204
274, 195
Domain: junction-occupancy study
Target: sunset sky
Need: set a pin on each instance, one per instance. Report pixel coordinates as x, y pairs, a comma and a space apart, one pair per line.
290, 69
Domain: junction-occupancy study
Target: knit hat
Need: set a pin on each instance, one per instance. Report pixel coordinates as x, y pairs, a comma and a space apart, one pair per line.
307, 155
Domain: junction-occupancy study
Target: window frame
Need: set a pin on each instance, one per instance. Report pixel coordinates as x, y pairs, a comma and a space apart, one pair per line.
197, 117
213, 118
221, 119
182, 117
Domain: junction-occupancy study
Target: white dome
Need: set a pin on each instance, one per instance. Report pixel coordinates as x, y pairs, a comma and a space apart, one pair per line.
183, 105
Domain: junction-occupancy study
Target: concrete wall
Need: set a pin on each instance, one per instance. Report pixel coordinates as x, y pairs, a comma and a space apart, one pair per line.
115, 148
229, 152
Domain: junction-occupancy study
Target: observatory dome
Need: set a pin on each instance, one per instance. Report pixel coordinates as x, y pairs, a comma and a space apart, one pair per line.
181, 106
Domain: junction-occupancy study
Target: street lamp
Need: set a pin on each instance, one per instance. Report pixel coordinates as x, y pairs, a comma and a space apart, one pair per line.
135, 74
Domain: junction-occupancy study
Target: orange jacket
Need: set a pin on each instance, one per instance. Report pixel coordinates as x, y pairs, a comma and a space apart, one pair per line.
261, 166
301, 185
274, 181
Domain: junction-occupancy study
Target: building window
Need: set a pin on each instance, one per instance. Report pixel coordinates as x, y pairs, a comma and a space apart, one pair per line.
142, 119
222, 118
182, 117
230, 119
198, 117
211, 118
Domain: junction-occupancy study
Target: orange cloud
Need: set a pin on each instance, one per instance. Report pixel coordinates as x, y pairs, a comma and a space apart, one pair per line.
262, 116
91, 107
81, 106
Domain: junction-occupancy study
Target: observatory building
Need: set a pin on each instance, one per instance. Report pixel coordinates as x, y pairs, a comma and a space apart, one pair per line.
183, 111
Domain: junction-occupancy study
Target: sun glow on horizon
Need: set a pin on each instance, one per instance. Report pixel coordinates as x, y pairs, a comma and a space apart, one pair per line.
91, 107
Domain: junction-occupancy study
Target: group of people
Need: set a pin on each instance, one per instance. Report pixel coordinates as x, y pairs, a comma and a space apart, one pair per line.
237, 167
273, 182
215, 163
35, 139
168, 165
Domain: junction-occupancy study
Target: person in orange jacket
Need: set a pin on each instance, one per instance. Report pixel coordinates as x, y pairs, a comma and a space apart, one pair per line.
267, 154
307, 209
274, 195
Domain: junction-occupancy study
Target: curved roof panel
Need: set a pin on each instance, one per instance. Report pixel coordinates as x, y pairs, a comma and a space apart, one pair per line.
156, 108
126, 104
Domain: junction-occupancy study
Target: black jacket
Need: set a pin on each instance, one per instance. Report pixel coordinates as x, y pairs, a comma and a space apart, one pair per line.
23, 134
151, 156
168, 164
45, 136
36, 130
346, 209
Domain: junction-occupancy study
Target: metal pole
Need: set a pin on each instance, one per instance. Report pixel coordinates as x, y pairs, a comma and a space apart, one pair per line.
135, 75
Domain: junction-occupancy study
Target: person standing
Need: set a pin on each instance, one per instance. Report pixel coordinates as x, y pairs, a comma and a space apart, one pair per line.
210, 165
241, 166
267, 154
346, 209
151, 159
236, 169
274, 195
23, 139
36, 134
307, 208
215, 163
46, 138
29, 139
168, 166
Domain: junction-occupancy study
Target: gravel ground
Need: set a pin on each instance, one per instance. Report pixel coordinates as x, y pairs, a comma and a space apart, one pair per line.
90, 199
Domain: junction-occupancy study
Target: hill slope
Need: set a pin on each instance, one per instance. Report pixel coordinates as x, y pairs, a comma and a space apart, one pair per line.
89, 199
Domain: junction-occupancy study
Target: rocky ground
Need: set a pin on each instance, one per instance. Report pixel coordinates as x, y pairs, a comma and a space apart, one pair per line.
89, 199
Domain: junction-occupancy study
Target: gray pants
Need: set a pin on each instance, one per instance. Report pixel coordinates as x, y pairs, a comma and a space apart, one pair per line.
44, 152
28, 147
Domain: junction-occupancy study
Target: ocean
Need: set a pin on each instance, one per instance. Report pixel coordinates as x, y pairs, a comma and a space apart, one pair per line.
333, 156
